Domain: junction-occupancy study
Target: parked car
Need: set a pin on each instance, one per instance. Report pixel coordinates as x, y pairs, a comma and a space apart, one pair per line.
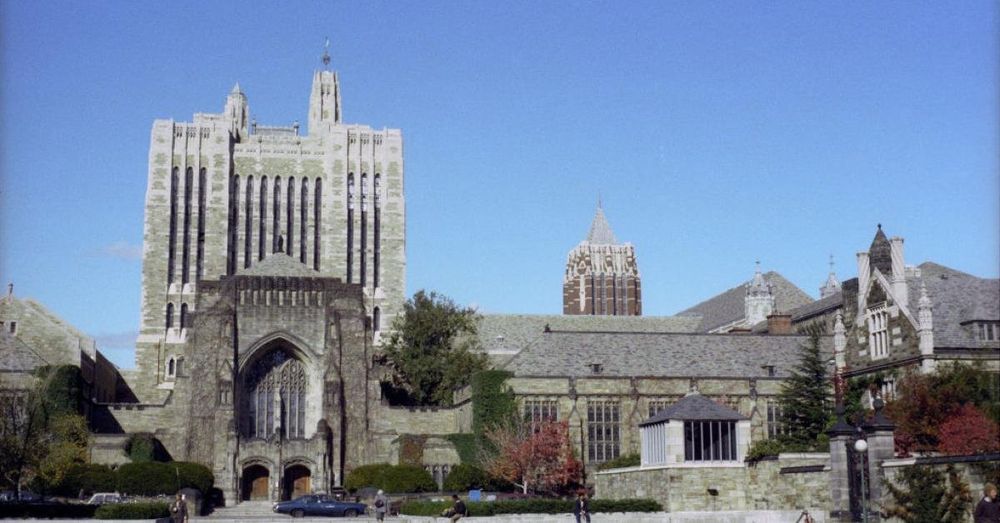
105, 498
319, 505
9, 496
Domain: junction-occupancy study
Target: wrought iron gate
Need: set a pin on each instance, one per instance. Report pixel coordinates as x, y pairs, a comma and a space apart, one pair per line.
857, 474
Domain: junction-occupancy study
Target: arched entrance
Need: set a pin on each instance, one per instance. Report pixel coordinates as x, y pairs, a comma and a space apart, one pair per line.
255, 483
298, 482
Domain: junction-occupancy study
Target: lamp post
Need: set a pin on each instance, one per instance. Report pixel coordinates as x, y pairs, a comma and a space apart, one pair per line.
861, 447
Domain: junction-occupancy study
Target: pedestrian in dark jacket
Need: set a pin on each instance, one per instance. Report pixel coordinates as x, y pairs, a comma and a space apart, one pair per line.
581, 508
179, 510
988, 508
458, 509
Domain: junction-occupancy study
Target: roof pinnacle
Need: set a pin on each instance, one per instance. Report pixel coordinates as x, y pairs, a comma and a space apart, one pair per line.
326, 54
600, 231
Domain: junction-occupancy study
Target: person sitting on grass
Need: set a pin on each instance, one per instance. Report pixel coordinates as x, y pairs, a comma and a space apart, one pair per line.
457, 510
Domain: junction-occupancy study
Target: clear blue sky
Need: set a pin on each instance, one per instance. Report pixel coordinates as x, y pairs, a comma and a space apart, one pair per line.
717, 133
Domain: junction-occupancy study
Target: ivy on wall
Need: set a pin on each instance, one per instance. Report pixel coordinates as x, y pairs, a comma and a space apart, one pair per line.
493, 405
411, 449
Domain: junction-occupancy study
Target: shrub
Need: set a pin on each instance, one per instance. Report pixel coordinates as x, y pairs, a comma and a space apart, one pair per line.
151, 510
628, 460
154, 478
531, 506
86, 477
465, 477
27, 510
390, 478
764, 448
924, 494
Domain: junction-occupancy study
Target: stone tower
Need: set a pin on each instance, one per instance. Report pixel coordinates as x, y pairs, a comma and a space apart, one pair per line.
831, 286
225, 194
759, 301
602, 277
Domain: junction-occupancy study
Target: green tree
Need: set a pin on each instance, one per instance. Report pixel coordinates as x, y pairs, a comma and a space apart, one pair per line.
806, 407
925, 495
432, 350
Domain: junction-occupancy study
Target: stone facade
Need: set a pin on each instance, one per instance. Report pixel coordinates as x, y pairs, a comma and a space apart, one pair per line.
791, 482
602, 277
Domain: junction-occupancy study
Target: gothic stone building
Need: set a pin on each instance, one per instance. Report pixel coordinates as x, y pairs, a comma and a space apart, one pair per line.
271, 262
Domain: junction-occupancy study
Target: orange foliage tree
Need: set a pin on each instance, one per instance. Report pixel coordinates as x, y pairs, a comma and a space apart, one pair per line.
968, 431
535, 457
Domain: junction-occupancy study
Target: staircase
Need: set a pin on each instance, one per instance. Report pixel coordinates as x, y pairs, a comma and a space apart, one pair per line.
244, 510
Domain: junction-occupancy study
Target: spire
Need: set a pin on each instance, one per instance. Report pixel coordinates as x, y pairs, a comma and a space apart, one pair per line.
236, 89
326, 55
832, 286
324, 101
758, 285
600, 232
880, 253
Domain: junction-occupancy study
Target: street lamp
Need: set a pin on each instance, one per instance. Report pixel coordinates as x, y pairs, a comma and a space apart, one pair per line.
861, 446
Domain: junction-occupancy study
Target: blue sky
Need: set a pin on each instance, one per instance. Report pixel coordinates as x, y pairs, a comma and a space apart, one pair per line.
717, 133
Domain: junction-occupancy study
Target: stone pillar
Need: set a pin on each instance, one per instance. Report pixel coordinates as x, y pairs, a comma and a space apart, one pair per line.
926, 331
841, 434
839, 342
881, 446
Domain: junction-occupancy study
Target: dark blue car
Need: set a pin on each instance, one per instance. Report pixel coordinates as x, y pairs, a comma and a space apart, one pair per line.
319, 505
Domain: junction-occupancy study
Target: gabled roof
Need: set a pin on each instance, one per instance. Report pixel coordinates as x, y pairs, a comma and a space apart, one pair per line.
728, 306
956, 298
644, 354
279, 264
695, 407
600, 231
17, 356
514, 332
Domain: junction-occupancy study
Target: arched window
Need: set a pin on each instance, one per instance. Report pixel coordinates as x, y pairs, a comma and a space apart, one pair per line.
276, 214
262, 233
234, 213
248, 216
171, 367
170, 315
350, 226
303, 217
376, 319
172, 241
184, 315
364, 226
275, 399
290, 213
317, 206
377, 232
186, 256
202, 189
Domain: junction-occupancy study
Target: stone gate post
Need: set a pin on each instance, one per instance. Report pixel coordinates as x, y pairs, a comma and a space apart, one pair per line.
881, 446
841, 435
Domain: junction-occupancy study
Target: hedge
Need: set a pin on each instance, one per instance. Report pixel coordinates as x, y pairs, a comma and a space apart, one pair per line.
624, 461
152, 510
44, 511
391, 478
153, 478
88, 478
530, 506
464, 477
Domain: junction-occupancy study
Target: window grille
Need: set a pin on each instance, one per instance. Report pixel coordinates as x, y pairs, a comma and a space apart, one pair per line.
710, 441
603, 430
775, 425
276, 398
537, 411
878, 331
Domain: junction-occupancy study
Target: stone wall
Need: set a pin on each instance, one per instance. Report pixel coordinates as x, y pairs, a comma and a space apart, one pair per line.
791, 482
966, 465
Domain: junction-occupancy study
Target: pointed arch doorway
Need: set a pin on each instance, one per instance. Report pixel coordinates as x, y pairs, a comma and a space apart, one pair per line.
297, 482
254, 487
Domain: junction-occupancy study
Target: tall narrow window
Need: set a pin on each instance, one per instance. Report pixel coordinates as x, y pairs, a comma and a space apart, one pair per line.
186, 257
248, 219
303, 220
262, 241
200, 264
378, 230
603, 430
774, 425
290, 212
276, 214
364, 225
234, 213
350, 226
172, 241
171, 367
376, 319
317, 206
184, 315
878, 331
170, 315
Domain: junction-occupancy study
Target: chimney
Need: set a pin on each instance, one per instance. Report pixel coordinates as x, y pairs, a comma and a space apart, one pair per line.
899, 288
864, 274
779, 324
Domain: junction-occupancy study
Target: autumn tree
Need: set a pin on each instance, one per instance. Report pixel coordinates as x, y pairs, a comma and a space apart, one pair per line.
968, 431
432, 349
535, 457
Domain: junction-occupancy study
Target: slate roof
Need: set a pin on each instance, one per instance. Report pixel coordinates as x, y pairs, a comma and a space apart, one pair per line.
728, 307
956, 298
17, 356
809, 310
695, 407
279, 264
643, 354
514, 332
600, 231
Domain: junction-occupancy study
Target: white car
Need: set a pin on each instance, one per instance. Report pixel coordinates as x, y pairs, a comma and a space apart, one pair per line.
104, 498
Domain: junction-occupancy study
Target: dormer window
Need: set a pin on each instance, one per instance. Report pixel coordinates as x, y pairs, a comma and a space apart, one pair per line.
878, 331
988, 330
596, 368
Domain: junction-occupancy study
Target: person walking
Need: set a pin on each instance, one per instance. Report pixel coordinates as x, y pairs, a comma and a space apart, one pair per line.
581, 508
381, 505
988, 508
178, 510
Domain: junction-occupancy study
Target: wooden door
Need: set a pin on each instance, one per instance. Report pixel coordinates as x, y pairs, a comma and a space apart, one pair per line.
301, 487
258, 489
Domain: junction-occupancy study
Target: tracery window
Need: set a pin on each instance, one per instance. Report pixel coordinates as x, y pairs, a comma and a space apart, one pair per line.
537, 411
878, 331
276, 397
